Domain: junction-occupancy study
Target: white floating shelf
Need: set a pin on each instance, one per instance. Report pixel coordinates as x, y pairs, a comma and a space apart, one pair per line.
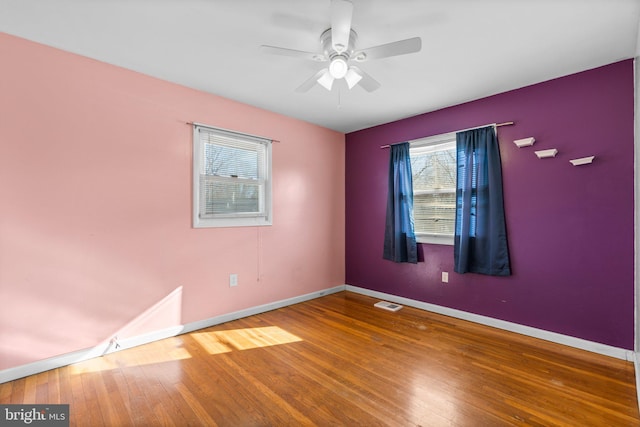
546, 153
526, 142
582, 161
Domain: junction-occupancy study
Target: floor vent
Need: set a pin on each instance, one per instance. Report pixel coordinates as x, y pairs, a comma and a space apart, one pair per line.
388, 306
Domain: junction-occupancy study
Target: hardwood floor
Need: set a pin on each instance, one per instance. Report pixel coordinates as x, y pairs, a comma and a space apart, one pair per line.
338, 361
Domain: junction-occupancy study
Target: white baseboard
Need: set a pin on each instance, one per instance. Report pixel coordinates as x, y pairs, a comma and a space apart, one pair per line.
636, 363
106, 347
594, 347
259, 309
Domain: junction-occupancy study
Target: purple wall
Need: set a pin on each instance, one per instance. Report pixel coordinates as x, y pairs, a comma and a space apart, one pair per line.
570, 228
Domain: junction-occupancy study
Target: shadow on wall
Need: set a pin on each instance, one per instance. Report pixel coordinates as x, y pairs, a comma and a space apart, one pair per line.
163, 315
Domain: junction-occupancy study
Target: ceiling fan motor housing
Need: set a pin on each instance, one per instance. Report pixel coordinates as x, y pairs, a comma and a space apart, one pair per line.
338, 47
330, 52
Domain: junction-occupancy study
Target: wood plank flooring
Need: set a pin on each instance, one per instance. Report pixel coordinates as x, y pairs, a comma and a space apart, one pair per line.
338, 361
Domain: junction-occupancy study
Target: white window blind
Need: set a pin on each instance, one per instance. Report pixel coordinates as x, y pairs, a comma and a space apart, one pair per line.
433, 165
232, 178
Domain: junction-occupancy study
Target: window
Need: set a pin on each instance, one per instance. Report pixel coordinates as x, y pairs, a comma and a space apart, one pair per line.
231, 179
433, 165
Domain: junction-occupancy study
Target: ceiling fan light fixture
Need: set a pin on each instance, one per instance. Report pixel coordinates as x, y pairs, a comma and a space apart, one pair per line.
338, 67
326, 80
338, 49
352, 77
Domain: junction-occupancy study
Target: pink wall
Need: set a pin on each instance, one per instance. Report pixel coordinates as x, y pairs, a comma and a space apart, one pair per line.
95, 207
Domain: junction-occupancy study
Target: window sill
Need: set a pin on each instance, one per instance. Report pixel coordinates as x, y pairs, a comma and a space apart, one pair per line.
230, 222
432, 239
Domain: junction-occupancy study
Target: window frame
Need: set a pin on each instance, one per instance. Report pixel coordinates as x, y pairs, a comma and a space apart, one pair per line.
433, 141
238, 219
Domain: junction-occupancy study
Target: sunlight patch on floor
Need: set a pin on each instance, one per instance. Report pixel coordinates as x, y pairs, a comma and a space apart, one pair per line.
218, 342
165, 351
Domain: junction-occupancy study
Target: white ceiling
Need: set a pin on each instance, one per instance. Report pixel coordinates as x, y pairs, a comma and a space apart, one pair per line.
470, 48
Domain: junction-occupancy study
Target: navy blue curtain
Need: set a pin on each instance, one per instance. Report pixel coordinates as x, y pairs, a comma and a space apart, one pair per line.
480, 244
399, 238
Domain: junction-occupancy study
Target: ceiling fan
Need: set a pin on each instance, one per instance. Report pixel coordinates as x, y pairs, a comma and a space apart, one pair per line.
339, 49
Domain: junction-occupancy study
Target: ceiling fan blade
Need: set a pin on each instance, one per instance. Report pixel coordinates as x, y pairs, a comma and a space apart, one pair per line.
311, 81
401, 47
367, 82
274, 50
341, 13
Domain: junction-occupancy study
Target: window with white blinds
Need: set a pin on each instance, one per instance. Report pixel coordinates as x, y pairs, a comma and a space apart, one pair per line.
231, 179
433, 165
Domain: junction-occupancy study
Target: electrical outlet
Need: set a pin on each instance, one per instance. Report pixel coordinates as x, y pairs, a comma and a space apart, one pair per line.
233, 280
445, 277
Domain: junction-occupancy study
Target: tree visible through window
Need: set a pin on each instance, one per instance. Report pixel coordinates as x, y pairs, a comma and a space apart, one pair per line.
433, 165
231, 179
